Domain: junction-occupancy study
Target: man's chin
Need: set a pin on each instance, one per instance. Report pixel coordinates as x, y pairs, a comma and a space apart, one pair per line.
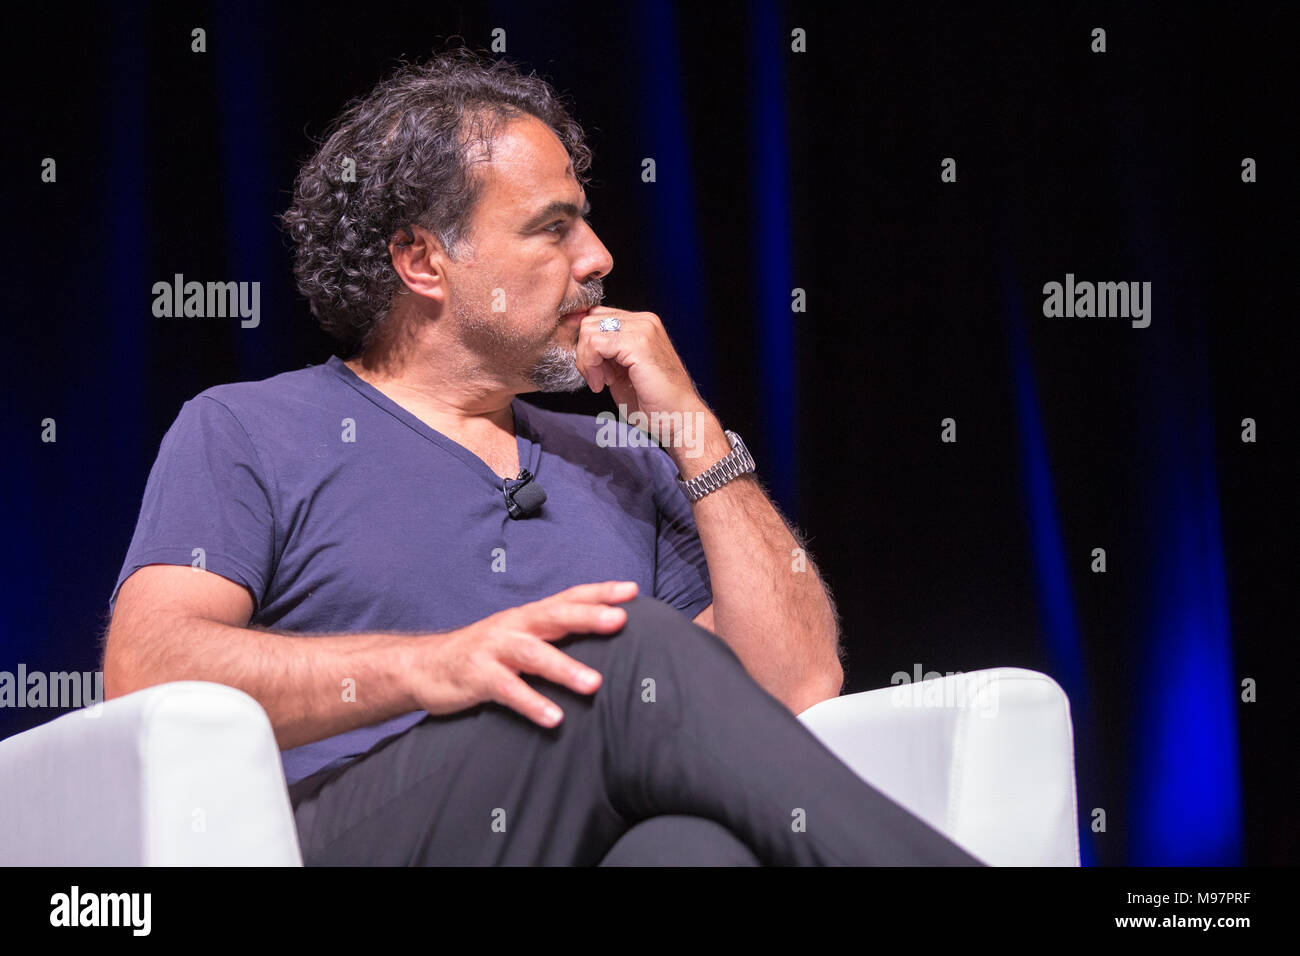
557, 371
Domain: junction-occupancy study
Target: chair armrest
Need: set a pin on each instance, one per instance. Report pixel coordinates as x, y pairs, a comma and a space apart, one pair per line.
987, 758
181, 774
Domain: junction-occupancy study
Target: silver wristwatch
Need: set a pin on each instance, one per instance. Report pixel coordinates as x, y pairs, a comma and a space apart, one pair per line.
738, 463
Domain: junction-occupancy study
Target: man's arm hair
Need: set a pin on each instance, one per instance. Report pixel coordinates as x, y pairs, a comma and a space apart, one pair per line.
801, 540
175, 622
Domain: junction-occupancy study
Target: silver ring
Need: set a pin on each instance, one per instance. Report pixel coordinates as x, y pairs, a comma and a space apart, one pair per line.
610, 324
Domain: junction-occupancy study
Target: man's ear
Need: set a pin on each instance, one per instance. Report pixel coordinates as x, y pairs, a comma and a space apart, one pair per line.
420, 261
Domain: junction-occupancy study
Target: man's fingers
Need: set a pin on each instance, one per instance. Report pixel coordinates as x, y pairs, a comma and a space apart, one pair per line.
581, 609
532, 656
598, 592
552, 619
591, 363
508, 689
596, 347
593, 366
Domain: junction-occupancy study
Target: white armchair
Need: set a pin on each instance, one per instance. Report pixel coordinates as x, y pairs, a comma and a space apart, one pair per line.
986, 758
188, 773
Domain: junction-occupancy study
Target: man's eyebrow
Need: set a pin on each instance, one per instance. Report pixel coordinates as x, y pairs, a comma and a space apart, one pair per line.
553, 209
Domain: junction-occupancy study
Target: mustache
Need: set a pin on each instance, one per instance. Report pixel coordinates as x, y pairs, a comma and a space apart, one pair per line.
595, 292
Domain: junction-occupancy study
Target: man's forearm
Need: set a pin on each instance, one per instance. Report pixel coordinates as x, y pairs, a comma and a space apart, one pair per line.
769, 602
311, 687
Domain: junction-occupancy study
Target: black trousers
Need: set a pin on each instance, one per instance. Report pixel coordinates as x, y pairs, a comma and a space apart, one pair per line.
679, 758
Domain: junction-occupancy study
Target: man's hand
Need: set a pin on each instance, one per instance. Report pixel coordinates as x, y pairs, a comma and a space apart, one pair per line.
482, 662
645, 375
638, 363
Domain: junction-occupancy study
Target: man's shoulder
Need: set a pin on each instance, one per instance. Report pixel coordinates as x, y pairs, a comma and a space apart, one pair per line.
293, 385
274, 413
280, 397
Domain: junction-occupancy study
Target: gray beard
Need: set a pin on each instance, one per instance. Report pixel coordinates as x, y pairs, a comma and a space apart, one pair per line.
557, 371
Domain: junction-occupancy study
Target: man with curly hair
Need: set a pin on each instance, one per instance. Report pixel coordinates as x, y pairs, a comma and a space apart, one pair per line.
379, 570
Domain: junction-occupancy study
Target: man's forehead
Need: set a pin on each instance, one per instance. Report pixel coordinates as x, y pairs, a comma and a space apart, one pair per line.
530, 163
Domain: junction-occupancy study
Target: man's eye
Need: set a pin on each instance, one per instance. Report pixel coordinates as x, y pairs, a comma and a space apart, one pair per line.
551, 228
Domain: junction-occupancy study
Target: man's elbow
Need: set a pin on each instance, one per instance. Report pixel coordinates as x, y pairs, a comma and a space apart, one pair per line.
826, 684
117, 683
832, 682
122, 675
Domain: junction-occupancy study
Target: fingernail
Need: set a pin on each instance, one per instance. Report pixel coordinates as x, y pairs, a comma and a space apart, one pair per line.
552, 715
610, 616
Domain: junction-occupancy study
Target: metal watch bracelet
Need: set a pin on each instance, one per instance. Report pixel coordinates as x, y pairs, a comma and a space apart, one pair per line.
738, 463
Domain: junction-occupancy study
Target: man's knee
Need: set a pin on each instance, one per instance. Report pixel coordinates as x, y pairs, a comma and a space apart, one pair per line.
656, 657
656, 636
666, 628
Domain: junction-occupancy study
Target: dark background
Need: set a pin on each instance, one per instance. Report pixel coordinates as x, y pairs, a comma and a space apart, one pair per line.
776, 170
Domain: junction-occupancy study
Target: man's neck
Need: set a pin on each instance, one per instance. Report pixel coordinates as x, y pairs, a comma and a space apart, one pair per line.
454, 404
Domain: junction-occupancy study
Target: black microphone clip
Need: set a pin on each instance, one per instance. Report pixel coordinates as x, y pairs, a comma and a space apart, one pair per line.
525, 499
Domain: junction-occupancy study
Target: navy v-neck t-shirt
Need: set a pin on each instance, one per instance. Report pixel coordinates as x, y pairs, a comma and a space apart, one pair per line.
341, 512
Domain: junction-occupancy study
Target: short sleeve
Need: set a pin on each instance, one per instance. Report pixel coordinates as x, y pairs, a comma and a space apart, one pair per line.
207, 503
681, 572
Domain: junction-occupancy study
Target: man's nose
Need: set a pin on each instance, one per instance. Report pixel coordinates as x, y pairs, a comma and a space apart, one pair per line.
595, 260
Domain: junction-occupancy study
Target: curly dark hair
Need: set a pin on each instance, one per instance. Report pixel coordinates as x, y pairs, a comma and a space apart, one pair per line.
412, 139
